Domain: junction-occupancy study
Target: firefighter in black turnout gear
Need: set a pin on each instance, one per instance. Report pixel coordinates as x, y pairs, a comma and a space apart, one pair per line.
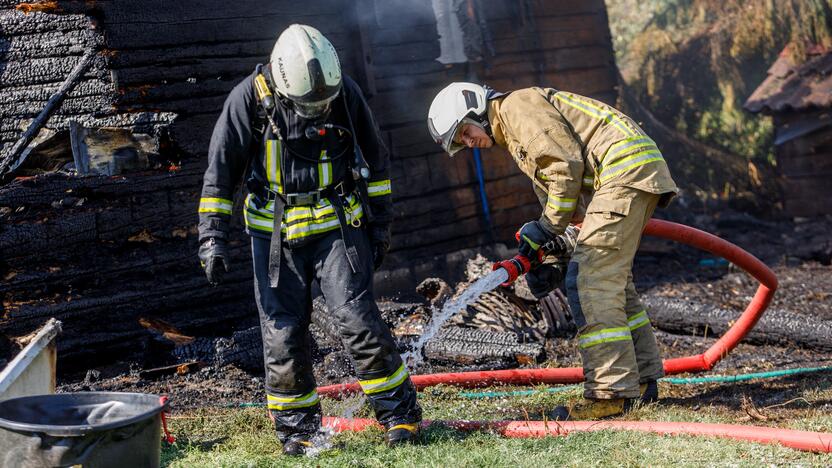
318, 209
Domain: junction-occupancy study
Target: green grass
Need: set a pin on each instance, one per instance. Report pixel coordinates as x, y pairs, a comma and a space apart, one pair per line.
244, 436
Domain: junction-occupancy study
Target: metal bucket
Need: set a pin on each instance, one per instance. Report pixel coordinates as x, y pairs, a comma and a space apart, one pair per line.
92, 429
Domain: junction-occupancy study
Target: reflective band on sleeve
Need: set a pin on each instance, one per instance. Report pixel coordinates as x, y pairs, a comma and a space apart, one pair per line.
606, 335
384, 383
628, 145
324, 171
588, 182
286, 403
379, 188
630, 162
215, 205
561, 204
596, 112
638, 320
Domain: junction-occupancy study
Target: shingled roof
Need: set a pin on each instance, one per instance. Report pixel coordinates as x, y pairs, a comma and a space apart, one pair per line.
793, 86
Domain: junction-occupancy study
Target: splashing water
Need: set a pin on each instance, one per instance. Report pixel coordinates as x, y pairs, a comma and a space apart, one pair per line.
487, 283
323, 439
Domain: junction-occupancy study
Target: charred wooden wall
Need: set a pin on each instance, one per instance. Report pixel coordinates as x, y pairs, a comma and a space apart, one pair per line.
101, 253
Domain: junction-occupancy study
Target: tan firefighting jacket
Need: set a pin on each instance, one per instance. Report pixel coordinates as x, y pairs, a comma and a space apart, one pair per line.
571, 145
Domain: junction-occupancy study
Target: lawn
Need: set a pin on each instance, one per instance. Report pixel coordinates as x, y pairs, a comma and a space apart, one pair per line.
244, 436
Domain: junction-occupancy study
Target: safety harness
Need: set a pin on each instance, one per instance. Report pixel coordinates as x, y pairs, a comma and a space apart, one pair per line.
336, 194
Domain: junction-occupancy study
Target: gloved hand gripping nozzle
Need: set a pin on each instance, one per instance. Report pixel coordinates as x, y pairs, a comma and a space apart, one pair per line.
521, 264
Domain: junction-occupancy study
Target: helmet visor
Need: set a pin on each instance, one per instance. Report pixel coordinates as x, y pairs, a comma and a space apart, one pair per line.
313, 110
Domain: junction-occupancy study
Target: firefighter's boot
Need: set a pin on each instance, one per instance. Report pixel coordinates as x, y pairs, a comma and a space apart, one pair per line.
649, 392
399, 434
588, 409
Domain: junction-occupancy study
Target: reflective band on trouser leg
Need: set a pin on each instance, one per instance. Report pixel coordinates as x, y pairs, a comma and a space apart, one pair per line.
379, 188
384, 383
282, 403
630, 162
595, 112
215, 205
588, 182
562, 204
638, 320
606, 335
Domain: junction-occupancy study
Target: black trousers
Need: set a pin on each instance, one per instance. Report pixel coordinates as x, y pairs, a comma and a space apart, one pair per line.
285, 314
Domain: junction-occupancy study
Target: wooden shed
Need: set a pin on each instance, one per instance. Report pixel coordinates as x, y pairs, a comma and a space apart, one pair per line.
798, 95
109, 255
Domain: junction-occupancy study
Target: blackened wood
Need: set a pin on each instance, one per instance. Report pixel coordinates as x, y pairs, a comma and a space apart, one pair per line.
54, 102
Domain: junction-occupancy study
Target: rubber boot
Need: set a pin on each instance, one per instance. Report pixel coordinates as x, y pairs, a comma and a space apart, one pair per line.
399, 434
649, 392
297, 444
587, 409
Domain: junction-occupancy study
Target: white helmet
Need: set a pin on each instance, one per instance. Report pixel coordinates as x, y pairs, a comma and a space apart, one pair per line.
457, 103
305, 70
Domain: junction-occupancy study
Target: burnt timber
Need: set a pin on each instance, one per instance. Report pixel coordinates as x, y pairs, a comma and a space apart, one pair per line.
100, 253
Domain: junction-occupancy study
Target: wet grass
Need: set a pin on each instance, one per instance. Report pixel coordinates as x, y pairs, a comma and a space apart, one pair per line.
244, 436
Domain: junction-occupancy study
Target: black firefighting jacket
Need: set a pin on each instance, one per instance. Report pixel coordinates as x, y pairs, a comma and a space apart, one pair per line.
244, 144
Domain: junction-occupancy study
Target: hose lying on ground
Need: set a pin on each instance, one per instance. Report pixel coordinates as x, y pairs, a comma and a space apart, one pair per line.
697, 363
672, 380
820, 442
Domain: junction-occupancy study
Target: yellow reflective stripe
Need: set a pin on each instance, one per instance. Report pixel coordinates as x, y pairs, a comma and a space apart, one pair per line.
379, 188
283, 403
273, 150
324, 171
301, 221
606, 335
594, 111
626, 145
384, 383
630, 162
318, 226
561, 204
215, 205
260, 223
589, 182
638, 320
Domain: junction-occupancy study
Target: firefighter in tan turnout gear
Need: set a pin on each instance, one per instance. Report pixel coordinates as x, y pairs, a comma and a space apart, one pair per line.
574, 148
318, 209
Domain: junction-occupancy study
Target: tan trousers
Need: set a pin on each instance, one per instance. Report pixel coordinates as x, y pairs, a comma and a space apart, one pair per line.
616, 341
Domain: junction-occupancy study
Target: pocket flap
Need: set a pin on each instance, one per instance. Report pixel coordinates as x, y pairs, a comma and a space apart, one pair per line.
602, 205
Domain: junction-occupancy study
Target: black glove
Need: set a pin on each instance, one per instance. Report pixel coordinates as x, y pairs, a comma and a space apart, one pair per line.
543, 279
380, 240
213, 256
532, 236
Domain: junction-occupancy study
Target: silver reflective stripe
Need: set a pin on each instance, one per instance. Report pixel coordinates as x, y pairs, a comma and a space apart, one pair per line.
562, 204
215, 205
284, 403
384, 383
324, 171
594, 111
626, 145
638, 320
604, 336
381, 187
631, 162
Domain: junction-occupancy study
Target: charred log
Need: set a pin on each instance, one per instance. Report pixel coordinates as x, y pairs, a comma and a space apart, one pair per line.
472, 346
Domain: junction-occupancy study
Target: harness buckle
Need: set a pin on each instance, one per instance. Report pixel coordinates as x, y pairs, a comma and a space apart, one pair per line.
303, 198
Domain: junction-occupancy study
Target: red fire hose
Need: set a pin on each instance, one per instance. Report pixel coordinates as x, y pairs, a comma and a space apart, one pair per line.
802, 440
697, 363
